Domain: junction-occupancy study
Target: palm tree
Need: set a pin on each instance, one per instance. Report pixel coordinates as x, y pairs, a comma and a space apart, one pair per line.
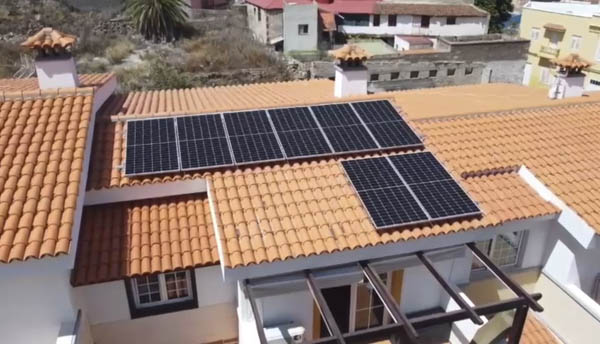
157, 19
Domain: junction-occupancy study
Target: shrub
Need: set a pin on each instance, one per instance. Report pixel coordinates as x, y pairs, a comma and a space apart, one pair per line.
158, 19
10, 54
119, 51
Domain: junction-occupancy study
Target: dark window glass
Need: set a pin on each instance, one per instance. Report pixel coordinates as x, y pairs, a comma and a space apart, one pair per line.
394, 75
376, 20
303, 29
451, 21
468, 70
432, 73
392, 20
374, 77
355, 19
425, 21
414, 74
451, 71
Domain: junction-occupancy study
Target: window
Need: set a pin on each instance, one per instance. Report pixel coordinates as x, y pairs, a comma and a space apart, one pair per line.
425, 21
259, 10
432, 73
392, 20
374, 77
414, 74
545, 75
355, 19
394, 75
503, 249
575, 43
535, 34
595, 82
451, 21
161, 293
376, 20
370, 311
468, 70
554, 39
451, 71
303, 29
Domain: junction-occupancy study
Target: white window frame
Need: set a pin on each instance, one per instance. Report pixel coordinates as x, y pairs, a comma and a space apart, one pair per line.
535, 34
353, 302
493, 245
576, 41
545, 76
301, 31
162, 286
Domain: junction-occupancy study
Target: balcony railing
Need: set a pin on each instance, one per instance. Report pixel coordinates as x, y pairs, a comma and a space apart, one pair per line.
549, 51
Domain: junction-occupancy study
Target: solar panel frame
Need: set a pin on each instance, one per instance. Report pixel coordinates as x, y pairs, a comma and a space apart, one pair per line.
283, 127
129, 147
211, 137
452, 192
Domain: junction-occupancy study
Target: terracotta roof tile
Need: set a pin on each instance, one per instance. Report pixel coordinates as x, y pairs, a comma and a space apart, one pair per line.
50, 39
132, 238
31, 86
350, 52
535, 332
435, 10
41, 149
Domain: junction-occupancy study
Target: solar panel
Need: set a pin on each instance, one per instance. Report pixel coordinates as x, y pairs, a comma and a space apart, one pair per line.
386, 124
252, 137
151, 147
203, 142
298, 132
408, 189
343, 128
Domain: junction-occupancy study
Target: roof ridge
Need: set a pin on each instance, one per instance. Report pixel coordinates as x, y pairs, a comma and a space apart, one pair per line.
451, 118
45, 94
488, 172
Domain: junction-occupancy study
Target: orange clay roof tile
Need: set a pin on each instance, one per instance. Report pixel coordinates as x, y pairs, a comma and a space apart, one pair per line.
48, 38
36, 214
535, 332
30, 89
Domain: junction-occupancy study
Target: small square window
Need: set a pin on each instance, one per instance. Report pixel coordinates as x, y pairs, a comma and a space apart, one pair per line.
468, 70
303, 29
432, 73
392, 20
374, 77
425, 21
394, 75
451, 71
376, 20
451, 21
414, 74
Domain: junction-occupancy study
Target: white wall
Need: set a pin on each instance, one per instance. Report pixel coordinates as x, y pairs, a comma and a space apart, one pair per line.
409, 25
33, 306
107, 310
294, 307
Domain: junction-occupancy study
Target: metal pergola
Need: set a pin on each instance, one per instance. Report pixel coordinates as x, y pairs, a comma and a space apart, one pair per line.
403, 329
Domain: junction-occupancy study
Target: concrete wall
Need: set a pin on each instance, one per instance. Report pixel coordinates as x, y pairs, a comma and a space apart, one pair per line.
270, 25
34, 305
410, 25
107, 310
109, 6
295, 15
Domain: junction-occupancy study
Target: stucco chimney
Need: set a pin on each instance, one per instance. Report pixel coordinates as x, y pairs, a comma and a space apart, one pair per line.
54, 63
569, 81
350, 72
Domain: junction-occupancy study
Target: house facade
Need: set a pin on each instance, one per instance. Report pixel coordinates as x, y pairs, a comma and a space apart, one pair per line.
557, 30
109, 235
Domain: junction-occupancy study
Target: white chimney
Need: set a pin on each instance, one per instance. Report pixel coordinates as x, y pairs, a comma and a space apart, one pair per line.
54, 63
569, 81
350, 72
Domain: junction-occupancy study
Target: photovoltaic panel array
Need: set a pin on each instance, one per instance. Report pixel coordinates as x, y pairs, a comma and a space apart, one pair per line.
408, 189
237, 138
151, 147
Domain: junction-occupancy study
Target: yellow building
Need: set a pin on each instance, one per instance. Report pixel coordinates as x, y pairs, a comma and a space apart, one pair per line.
557, 29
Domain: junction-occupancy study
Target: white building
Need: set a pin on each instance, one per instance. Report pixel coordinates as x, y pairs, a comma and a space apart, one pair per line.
97, 248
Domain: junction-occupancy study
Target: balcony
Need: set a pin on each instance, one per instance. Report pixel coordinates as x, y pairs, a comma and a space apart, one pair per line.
549, 51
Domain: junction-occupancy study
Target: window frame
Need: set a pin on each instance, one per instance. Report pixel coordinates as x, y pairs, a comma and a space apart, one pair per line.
425, 22
165, 305
449, 21
575, 44
534, 35
374, 77
301, 32
376, 20
433, 73
468, 70
414, 74
522, 240
392, 22
394, 75
354, 301
451, 72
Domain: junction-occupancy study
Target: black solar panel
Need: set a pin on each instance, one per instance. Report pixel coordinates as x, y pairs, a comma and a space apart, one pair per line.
408, 189
386, 124
343, 128
298, 132
444, 199
368, 174
419, 168
202, 142
151, 147
252, 137
392, 206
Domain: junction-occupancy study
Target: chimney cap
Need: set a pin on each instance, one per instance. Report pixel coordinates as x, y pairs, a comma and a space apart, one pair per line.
350, 53
48, 40
572, 62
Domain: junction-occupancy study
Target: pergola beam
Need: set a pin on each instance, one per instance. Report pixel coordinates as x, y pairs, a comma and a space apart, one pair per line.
517, 289
257, 318
450, 288
328, 318
388, 301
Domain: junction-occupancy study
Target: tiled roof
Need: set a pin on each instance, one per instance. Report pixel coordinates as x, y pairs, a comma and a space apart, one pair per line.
439, 10
31, 84
287, 211
42, 144
350, 52
50, 39
558, 144
535, 332
130, 238
572, 61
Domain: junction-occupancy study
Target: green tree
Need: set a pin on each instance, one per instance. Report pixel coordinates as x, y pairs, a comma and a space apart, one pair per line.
157, 19
500, 11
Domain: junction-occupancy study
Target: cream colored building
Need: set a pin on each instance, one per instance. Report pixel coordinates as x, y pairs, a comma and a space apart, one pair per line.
557, 30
